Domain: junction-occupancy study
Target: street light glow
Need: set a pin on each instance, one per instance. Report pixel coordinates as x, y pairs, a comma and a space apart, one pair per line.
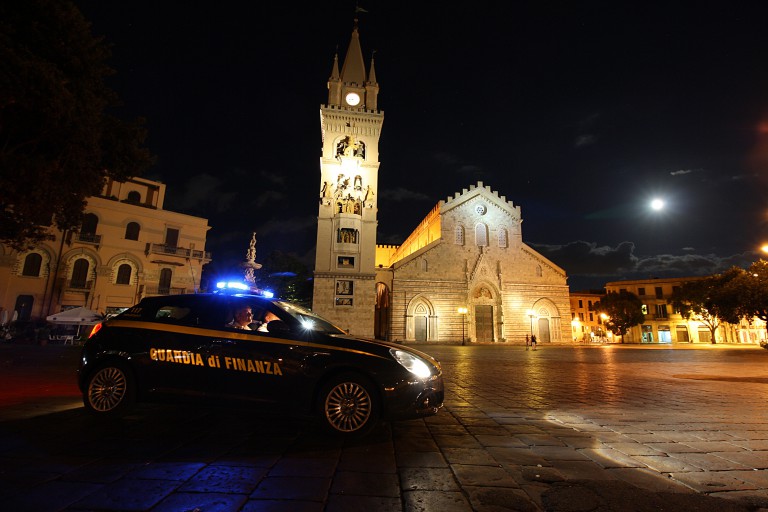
657, 204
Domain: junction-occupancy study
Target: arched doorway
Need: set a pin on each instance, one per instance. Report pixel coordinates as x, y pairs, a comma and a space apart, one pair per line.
381, 317
485, 305
421, 322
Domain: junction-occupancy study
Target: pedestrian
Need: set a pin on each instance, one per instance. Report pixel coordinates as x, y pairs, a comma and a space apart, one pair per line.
533, 341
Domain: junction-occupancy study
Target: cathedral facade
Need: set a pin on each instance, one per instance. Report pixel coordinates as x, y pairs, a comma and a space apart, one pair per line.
463, 275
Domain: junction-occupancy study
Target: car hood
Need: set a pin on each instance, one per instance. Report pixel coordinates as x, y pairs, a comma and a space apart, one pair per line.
388, 345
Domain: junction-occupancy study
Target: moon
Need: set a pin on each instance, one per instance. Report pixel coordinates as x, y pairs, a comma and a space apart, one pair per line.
657, 204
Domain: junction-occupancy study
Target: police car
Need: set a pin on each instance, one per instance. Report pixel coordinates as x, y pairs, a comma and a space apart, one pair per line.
287, 359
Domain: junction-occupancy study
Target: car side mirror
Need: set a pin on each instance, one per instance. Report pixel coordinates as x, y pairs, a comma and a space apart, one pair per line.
277, 327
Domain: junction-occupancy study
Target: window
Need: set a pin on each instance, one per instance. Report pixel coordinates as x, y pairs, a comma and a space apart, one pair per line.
32, 264
132, 231
90, 222
591, 317
644, 309
172, 237
80, 273
661, 311
123, 274
641, 291
481, 235
581, 303
424, 266
164, 287
659, 293
345, 262
459, 235
133, 197
502, 234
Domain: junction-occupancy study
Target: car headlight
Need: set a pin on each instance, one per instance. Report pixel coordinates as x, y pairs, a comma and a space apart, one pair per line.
412, 363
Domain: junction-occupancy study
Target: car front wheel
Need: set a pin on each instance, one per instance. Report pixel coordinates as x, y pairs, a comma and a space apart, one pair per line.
110, 390
349, 405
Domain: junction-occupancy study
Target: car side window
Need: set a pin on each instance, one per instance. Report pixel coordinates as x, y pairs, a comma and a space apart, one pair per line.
172, 314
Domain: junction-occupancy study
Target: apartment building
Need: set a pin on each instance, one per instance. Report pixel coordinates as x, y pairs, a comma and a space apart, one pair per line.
664, 325
128, 247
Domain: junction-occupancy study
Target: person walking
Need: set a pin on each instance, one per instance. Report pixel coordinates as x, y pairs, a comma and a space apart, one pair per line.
533, 341
527, 342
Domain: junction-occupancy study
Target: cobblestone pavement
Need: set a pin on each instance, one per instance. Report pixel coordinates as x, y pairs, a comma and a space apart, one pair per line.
579, 428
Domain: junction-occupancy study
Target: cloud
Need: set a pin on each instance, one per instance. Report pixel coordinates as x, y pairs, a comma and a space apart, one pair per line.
202, 193
402, 194
586, 139
681, 172
597, 264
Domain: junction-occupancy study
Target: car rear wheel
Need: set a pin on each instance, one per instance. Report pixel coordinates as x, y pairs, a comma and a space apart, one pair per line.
349, 405
110, 391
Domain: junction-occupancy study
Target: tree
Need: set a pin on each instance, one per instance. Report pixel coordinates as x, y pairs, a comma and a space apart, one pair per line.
624, 310
287, 277
751, 288
708, 300
58, 142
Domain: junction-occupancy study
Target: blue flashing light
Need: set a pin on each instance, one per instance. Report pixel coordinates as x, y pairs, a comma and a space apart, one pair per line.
268, 294
231, 285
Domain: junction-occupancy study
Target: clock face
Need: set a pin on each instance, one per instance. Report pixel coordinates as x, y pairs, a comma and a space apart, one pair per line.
352, 99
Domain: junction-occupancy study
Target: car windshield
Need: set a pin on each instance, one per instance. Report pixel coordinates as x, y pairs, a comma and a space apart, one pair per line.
308, 319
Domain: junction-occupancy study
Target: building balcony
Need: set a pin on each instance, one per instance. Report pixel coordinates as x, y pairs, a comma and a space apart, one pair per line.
88, 238
74, 285
181, 252
153, 289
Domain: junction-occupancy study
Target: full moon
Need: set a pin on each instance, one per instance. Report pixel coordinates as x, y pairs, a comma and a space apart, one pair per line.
657, 204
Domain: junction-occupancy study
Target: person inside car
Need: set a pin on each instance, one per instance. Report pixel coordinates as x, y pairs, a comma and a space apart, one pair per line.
268, 317
243, 318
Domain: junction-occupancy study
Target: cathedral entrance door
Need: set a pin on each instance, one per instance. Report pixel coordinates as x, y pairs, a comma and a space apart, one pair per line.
484, 323
544, 334
420, 328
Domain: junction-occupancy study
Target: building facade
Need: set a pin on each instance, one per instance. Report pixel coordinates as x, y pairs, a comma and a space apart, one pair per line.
664, 325
587, 324
344, 286
465, 274
128, 247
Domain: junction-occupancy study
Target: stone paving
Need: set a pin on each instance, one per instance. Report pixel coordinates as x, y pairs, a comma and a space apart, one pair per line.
558, 429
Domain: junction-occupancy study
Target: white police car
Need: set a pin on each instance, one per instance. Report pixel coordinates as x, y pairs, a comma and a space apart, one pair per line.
190, 347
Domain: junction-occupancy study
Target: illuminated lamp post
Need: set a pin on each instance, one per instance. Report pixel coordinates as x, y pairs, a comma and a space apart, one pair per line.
531, 314
463, 312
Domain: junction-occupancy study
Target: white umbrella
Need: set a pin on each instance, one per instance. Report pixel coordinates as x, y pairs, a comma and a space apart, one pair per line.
76, 316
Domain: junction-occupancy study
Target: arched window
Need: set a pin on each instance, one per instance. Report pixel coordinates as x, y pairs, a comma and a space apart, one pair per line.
80, 273
164, 287
481, 235
538, 271
132, 231
424, 266
90, 222
502, 234
459, 235
123, 274
32, 264
133, 197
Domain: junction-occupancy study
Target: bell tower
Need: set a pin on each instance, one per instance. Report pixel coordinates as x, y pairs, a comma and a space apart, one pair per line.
344, 290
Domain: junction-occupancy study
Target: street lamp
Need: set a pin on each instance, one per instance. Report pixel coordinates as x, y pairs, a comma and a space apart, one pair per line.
463, 312
531, 314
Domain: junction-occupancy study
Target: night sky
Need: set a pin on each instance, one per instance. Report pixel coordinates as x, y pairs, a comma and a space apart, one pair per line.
579, 112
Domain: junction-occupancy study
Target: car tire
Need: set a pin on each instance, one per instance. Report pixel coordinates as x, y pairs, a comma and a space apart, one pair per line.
349, 405
110, 390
